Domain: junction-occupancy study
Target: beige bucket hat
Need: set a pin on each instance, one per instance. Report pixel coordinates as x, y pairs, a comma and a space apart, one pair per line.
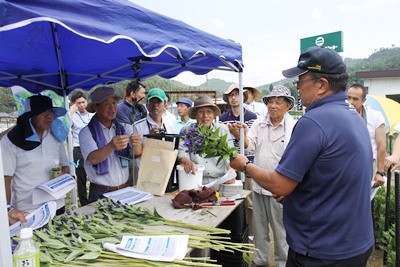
230, 89
255, 91
203, 101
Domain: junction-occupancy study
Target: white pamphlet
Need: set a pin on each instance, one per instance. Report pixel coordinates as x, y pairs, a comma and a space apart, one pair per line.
228, 176
53, 189
36, 219
155, 248
129, 195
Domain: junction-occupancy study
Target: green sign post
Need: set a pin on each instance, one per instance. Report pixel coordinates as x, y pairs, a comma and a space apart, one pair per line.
333, 40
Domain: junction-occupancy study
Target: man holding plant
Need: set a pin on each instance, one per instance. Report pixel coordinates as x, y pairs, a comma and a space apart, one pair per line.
106, 145
204, 111
325, 172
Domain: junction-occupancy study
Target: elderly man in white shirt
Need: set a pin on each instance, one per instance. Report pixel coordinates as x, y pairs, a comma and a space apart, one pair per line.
268, 138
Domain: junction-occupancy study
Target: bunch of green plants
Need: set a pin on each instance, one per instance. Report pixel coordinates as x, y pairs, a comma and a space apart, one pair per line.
206, 142
385, 240
73, 239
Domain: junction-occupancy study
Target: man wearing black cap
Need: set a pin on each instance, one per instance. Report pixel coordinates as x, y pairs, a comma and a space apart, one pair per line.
325, 172
31, 148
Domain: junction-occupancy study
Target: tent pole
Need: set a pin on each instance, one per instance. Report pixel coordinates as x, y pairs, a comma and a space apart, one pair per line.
5, 248
241, 143
70, 156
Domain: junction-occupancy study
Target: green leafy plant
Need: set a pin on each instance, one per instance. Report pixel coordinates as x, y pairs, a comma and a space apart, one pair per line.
207, 142
73, 239
385, 240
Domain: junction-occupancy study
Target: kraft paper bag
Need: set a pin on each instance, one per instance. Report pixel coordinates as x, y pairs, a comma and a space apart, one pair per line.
156, 164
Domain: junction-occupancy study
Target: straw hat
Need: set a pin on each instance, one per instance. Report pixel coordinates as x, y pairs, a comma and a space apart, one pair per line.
232, 87
255, 91
203, 101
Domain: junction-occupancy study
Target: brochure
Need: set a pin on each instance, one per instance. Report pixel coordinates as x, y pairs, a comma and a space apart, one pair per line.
129, 195
36, 219
53, 189
228, 176
155, 248
374, 190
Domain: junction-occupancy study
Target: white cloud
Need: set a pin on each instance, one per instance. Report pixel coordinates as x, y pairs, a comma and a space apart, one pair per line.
316, 14
378, 3
218, 23
344, 7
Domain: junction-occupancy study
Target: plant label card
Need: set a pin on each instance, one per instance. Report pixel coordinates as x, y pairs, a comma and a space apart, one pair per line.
155, 248
53, 189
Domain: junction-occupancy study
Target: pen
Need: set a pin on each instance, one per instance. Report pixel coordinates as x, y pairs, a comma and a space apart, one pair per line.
189, 173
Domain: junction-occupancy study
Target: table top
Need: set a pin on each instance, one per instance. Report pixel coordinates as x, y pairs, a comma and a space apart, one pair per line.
166, 209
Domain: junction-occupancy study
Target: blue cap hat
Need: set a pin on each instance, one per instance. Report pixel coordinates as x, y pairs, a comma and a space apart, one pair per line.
186, 101
317, 59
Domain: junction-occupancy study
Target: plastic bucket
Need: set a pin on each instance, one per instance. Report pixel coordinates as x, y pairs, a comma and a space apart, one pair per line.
187, 182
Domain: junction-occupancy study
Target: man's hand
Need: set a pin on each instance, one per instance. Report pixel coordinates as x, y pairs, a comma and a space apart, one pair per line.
135, 139
391, 161
17, 215
188, 165
72, 109
231, 181
234, 129
278, 199
378, 180
119, 142
238, 162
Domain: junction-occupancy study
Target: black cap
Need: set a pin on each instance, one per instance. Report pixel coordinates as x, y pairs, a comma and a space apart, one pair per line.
317, 59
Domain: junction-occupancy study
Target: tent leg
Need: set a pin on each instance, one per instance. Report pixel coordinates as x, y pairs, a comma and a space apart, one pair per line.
74, 205
5, 248
397, 201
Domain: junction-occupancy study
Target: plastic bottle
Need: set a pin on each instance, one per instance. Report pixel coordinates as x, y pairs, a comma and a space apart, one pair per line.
27, 251
56, 169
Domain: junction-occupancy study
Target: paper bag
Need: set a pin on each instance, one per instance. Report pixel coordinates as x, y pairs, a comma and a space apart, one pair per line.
156, 164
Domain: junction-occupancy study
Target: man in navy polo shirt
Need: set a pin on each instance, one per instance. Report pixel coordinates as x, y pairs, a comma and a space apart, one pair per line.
325, 172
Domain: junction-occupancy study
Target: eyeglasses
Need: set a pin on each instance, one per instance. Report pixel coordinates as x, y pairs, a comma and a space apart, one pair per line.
205, 112
233, 95
297, 82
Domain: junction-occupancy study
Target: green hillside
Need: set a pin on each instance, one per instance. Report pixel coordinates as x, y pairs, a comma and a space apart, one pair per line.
381, 59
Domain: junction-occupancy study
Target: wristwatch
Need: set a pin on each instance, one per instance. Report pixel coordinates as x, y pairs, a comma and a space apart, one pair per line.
381, 173
9, 208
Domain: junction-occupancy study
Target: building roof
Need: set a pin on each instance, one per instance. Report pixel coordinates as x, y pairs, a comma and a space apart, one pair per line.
378, 74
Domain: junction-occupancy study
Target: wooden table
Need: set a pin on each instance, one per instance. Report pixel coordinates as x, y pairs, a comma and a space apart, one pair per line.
166, 209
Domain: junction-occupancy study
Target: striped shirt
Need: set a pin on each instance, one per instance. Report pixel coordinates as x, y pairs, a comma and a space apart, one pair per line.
229, 118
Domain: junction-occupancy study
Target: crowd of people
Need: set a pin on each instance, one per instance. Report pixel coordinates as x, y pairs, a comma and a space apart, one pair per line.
306, 177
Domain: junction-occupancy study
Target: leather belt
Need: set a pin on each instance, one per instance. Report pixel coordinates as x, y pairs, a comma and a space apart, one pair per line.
98, 187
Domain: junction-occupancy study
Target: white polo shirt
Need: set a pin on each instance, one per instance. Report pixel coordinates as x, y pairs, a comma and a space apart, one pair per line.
29, 169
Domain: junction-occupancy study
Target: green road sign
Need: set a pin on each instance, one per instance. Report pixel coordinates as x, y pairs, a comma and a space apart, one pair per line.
333, 40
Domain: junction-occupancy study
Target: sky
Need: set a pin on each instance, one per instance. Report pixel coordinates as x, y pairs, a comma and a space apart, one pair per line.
270, 30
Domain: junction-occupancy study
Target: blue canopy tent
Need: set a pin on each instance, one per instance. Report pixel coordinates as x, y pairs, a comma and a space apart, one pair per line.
62, 45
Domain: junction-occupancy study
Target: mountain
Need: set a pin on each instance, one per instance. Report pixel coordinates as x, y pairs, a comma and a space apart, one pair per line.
381, 59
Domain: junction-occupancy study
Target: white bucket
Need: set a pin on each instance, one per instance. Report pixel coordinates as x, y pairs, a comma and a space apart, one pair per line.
187, 182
